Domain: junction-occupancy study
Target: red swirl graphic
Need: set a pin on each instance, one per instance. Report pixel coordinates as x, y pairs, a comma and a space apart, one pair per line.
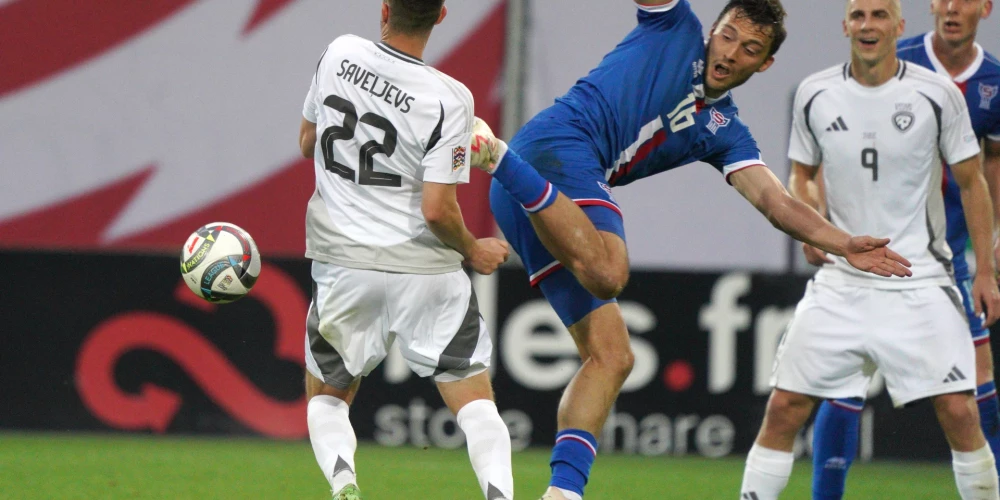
154, 407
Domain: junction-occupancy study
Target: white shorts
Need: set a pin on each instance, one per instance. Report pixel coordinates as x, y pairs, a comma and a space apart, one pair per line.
356, 314
839, 336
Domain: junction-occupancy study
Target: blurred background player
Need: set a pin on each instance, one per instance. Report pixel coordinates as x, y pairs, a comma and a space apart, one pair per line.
565, 224
387, 240
950, 50
881, 127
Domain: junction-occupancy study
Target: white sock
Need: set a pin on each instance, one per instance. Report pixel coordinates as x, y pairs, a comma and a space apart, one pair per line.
766, 473
975, 474
333, 439
489, 447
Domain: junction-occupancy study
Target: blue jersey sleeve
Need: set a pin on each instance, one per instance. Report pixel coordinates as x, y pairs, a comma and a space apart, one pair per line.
733, 148
664, 16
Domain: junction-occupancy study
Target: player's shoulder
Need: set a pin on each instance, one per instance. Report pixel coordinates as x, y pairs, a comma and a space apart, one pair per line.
924, 78
991, 65
932, 85
347, 42
724, 122
914, 43
822, 80
452, 92
667, 14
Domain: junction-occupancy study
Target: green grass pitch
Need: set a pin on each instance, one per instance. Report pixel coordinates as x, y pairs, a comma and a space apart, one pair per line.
72, 466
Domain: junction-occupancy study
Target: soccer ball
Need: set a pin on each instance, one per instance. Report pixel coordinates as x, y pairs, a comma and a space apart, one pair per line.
220, 262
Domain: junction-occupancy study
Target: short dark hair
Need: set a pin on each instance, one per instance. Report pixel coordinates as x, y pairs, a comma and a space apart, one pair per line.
414, 17
768, 14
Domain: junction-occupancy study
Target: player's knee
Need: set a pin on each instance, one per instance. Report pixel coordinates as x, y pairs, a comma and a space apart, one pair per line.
787, 411
957, 411
617, 363
624, 364
611, 280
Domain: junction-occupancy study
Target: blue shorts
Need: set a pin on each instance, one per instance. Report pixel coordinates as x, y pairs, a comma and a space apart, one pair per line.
980, 334
575, 170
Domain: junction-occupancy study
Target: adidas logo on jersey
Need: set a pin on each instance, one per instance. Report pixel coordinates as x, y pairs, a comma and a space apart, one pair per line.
837, 126
954, 376
752, 495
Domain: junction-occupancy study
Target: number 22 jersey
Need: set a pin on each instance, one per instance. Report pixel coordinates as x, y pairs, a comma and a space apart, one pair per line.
881, 149
385, 124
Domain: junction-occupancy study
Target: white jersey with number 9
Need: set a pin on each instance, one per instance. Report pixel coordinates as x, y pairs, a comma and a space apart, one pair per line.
881, 149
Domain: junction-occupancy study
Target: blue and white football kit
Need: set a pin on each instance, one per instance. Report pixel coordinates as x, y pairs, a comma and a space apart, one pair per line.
640, 112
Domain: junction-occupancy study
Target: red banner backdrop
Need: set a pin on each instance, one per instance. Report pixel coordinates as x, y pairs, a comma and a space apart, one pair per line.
271, 208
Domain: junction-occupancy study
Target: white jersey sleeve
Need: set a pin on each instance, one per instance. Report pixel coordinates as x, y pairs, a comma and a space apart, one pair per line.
309, 106
958, 141
447, 158
802, 146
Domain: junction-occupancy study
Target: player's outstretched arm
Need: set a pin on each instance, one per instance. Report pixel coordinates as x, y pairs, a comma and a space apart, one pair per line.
763, 190
802, 186
979, 218
444, 218
307, 138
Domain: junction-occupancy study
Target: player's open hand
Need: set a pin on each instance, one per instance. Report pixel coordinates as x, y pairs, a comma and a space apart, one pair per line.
487, 255
986, 296
872, 255
815, 256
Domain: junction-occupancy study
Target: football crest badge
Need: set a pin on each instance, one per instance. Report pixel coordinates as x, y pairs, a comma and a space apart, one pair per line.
903, 120
716, 121
986, 95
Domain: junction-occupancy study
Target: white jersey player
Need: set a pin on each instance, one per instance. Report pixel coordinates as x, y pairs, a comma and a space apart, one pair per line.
391, 139
881, 149
881, 128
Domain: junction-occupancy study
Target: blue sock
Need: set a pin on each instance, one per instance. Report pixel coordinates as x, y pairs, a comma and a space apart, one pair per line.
572, 457
835, 443
524, 183
989, 416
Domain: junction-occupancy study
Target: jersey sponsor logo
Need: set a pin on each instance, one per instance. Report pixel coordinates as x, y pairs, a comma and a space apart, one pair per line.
838, 125
986, 95
717, 120
903, 120
457, 158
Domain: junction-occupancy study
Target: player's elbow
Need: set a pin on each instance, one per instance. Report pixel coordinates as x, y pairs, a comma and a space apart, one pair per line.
307, 148
435, 214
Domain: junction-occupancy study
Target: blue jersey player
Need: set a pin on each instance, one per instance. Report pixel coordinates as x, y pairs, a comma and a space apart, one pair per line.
951, 50
658, 101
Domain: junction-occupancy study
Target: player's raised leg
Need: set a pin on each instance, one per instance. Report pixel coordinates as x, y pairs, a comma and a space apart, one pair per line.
835, 444
769, 463
332, 435
972, 460
598, 260
471, 400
